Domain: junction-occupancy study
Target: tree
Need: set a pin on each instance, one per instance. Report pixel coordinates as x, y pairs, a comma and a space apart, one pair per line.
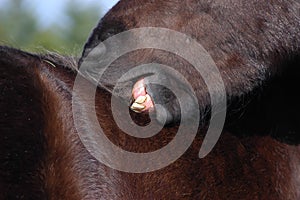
19, 28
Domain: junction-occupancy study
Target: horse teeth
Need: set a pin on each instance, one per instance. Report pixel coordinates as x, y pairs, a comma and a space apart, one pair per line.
141, 99
137, 107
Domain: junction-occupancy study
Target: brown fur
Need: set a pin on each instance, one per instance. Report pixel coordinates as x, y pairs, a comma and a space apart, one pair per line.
257, 156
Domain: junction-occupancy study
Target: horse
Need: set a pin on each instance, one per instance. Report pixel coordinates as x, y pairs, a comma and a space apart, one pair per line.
255, 47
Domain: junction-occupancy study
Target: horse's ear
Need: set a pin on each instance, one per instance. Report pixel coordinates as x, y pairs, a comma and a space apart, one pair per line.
92, 42
107, 27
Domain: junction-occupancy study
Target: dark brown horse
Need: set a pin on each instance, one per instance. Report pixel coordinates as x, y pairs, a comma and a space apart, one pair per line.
256, 47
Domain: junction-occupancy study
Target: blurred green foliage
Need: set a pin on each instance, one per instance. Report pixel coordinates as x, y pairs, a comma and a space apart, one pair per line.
19, 28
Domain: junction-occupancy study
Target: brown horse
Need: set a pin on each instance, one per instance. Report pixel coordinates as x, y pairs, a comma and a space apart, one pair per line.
255, 45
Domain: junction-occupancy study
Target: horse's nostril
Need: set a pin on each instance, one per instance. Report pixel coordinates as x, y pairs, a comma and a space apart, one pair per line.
141, 100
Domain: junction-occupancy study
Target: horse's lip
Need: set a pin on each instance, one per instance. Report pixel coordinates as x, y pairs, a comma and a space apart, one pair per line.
141, 100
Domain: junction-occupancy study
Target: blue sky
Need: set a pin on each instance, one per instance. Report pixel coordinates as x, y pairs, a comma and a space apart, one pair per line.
48, 11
